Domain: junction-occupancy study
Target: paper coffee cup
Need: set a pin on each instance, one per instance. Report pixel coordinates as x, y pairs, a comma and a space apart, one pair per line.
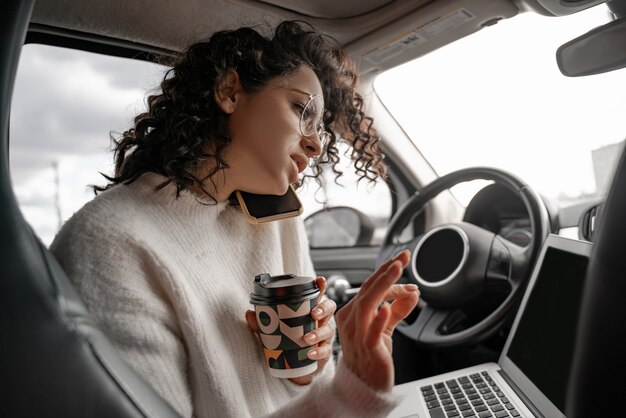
283, 306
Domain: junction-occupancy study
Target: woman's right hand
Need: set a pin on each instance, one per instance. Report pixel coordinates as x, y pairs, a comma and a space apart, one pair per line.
367, 322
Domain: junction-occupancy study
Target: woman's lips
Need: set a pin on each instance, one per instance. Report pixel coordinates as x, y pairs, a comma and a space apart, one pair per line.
301, 162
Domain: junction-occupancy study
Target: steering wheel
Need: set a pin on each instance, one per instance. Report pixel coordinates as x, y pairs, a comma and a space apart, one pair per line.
454, 263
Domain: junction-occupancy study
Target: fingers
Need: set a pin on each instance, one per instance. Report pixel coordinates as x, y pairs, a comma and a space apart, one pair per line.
403, 257
403, 298
373, 296
320, 334
251, 320
321, 283
368, 302
356, 316
401, 307
323, 351
324, 311
397, 291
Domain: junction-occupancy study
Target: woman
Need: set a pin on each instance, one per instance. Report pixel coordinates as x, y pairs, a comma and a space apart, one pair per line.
165, 262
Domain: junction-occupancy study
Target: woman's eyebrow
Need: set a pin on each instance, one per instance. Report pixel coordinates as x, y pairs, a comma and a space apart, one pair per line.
303, 91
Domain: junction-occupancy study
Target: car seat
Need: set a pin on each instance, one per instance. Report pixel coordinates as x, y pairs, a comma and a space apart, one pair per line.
54, 361
598, 374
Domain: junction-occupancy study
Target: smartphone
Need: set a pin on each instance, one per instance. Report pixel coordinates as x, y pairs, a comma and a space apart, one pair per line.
259, 208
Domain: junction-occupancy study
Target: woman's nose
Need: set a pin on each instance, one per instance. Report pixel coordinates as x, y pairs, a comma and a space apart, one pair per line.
312, 145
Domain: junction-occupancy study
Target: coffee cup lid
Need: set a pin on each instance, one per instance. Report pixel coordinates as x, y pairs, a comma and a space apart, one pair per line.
287, 288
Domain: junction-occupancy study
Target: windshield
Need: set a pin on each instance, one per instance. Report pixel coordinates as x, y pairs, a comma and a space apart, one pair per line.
496, 98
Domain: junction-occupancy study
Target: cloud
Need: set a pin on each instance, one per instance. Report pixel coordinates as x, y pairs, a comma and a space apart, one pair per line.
67, 103
121, 73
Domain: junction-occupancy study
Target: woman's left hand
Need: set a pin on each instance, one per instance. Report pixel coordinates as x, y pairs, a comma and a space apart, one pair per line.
322, 336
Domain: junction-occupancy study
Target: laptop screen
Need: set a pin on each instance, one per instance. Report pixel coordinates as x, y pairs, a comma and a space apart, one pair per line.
542, 346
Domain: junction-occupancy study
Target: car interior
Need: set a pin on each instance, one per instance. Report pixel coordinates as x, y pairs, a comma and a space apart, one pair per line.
472, 259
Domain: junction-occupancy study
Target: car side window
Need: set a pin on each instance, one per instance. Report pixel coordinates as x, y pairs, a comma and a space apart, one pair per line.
65, 105
346, 213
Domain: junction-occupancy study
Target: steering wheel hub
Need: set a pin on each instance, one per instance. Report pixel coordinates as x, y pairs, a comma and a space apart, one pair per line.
450, 262
440, 255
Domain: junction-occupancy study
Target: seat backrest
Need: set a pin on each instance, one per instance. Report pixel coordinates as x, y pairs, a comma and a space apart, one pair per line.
599, 367
54, 361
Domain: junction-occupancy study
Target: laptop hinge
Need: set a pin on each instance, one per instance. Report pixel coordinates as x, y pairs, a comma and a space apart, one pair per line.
521, 395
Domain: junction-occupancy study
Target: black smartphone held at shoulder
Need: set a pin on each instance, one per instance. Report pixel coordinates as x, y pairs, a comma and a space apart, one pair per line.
259, 208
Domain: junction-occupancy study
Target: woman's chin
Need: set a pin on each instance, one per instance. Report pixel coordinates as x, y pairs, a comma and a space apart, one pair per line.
283, 186
278, 189
276, 184
282, 190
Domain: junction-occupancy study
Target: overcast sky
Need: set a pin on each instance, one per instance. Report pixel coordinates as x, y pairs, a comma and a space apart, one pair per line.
67, 102
64, 105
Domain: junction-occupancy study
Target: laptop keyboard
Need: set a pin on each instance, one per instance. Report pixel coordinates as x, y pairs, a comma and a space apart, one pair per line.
475, 395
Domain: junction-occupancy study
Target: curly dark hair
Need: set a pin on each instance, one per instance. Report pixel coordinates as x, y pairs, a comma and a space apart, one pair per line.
171, 138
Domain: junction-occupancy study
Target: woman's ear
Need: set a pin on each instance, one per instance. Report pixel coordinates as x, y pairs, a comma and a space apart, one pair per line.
228, 92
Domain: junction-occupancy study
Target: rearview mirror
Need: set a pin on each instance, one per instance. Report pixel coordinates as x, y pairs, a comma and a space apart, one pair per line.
598, 51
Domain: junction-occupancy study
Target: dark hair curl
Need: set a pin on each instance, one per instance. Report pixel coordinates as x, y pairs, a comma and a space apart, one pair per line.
171, 138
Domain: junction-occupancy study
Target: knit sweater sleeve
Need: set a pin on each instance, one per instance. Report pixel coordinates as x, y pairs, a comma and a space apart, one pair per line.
346, 395
121, 284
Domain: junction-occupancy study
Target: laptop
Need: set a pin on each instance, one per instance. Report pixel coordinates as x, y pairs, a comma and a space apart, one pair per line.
531, 376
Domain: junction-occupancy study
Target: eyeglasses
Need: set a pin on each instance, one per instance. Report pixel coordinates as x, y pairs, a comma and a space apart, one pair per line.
311, 117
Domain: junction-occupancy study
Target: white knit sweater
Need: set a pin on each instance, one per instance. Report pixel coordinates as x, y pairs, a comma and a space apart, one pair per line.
169, 281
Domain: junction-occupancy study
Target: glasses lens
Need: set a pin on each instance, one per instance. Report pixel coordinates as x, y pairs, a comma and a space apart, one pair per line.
312, 115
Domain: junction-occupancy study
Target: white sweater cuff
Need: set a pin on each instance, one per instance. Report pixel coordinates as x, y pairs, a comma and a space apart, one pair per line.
360, 397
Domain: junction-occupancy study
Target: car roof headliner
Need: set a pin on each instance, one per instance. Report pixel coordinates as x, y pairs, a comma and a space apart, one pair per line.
364, 27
